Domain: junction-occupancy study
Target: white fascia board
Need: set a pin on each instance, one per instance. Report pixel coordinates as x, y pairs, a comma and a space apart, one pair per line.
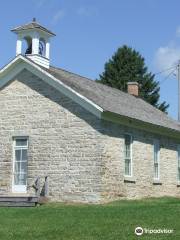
13, 68
5, 77
11, 64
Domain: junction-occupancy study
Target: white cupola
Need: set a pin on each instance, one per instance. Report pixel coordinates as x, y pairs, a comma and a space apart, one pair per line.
37, 39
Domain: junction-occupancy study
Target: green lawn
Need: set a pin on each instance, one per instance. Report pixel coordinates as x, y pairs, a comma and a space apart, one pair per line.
112, 221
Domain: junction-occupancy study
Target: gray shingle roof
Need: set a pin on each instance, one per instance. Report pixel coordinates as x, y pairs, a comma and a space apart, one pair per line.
113, 100
32, 25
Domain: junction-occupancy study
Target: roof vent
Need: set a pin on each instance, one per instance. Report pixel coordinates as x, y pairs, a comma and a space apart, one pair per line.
133, 88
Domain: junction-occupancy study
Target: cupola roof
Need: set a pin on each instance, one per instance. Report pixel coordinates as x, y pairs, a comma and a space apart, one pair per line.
32, 25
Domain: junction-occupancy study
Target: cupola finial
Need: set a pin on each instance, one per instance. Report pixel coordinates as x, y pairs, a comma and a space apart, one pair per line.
34, 19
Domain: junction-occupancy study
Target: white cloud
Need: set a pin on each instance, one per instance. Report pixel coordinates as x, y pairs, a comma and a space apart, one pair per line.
58, 15
87, 11
167, 56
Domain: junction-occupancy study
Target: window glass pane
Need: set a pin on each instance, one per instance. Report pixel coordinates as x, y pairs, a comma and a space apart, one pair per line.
156, 173
127, 167
17, 155
24, 154
21, 142
127, 154
20, 179
156, 151
16, 181
127, 146
178, 173
23, 167
155, 156
127, 139
17, 167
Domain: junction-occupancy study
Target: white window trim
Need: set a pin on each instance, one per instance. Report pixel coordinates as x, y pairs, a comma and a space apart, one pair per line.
131, 162
157, 143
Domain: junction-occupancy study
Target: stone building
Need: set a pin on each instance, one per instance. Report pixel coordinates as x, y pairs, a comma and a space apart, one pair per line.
74, 139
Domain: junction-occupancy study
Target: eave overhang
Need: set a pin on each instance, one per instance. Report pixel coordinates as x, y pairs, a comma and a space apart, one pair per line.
141, 125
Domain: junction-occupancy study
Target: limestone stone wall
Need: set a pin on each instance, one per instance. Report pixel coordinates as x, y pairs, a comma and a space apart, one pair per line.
82, 155
64, 141
142, 184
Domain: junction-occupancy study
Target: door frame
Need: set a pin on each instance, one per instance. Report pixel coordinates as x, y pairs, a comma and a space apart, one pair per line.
18, 188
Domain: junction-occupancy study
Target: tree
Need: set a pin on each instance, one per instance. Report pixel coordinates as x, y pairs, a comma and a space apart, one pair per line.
128, 65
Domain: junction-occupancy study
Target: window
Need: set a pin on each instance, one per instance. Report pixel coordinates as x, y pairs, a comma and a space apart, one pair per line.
178, 164
20, 160
156, 159
128, 154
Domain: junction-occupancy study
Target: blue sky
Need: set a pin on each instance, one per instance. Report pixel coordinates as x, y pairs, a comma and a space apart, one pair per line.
90, 31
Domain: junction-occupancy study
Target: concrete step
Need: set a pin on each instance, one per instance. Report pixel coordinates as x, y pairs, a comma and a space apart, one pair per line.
18, 201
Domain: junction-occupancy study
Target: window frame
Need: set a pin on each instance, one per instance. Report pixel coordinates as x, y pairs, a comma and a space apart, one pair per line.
156, 160
131, 162
21, 148
178, 163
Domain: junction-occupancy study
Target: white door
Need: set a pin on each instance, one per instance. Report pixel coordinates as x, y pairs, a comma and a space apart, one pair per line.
20, 148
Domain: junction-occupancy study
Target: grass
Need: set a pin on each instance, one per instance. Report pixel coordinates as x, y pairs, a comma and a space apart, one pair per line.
114, 221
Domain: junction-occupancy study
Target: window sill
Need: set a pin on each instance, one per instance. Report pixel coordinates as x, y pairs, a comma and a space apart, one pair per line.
129, 179
157, 182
